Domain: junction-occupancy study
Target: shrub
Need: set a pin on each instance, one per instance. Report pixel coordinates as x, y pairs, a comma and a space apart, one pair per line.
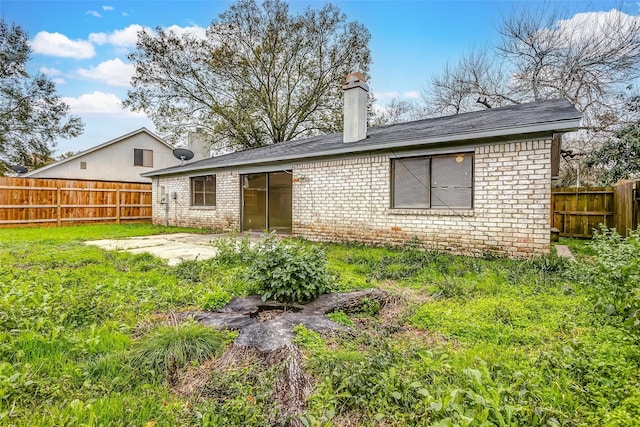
615, 274
288, 271
166, 349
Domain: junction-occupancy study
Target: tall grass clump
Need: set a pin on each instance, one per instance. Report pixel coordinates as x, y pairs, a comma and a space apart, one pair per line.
167, 349
615, 275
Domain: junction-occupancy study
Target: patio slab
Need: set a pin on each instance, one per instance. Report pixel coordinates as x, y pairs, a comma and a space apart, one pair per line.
175, 248
564, 251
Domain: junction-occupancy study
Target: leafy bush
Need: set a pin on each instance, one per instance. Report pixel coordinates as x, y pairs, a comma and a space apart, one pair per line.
288, 271
615, 275
166, 349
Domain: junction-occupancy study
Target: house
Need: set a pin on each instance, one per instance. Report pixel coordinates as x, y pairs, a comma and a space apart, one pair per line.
469, 183
121, 159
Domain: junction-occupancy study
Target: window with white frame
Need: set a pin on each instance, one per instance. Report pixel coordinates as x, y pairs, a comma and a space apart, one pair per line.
203, 190
432, 182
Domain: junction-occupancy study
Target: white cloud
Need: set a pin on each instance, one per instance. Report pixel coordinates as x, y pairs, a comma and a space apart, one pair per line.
194, 30
381, 96
411, 94
99, 103
56, 44
50, 71
113, 72
385, 95
98, 38
126, 37
94, 13
108, 8
595, 25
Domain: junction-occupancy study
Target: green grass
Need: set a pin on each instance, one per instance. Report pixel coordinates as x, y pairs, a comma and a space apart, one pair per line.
476, 341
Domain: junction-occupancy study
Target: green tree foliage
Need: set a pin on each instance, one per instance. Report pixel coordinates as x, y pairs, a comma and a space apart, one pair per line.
32, 116
261, 75
619, 157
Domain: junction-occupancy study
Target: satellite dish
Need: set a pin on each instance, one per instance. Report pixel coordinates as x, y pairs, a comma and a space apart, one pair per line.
19, 169
183, 154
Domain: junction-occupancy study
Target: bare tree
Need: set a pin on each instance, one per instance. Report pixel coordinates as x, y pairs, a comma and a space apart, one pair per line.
590, 59
476, 81
396, 111
260, 76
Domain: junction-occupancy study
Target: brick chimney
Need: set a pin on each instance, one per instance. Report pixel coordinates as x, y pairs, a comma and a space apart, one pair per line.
355, 108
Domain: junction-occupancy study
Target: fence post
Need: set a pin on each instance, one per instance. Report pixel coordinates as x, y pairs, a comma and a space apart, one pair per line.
117, 205
58, 203
636, 205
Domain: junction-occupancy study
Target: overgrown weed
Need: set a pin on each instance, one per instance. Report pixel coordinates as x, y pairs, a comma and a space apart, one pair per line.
505, 342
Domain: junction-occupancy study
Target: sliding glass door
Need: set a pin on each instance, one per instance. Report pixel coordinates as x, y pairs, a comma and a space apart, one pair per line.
266, 202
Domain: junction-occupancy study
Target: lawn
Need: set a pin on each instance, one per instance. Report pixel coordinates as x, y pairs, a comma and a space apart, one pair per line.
466, 341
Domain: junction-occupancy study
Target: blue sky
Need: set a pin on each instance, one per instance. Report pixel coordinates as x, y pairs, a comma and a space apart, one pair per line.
83, 45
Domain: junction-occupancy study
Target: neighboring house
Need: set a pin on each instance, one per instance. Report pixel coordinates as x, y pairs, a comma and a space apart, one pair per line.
121, 159
471, 183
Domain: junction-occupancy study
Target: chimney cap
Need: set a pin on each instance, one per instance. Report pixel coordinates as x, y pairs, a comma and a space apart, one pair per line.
355, 79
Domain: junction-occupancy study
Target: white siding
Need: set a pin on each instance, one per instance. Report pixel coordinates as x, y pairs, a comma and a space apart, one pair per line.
113, 162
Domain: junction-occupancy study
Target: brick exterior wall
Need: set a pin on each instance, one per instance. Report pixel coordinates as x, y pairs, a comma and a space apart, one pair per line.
349, 199
225, 215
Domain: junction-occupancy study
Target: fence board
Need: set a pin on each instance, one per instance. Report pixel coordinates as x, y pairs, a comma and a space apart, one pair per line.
577, 212
51, 202
627, 199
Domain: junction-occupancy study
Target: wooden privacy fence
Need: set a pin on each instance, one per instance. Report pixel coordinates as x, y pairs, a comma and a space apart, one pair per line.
57, 202
575, 212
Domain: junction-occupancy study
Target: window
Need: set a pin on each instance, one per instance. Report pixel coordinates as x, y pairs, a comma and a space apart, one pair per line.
83, 165
203, 190
142, 157
433, 182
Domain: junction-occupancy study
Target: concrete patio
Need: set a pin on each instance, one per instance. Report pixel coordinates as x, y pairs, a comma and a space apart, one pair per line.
175, 248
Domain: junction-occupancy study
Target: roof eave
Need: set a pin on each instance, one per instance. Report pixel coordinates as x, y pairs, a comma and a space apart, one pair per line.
567, 125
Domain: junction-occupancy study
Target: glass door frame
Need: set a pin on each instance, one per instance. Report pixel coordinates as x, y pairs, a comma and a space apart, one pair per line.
243, 176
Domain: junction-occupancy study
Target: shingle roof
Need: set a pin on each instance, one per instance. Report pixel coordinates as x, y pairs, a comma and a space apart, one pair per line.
543, 116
